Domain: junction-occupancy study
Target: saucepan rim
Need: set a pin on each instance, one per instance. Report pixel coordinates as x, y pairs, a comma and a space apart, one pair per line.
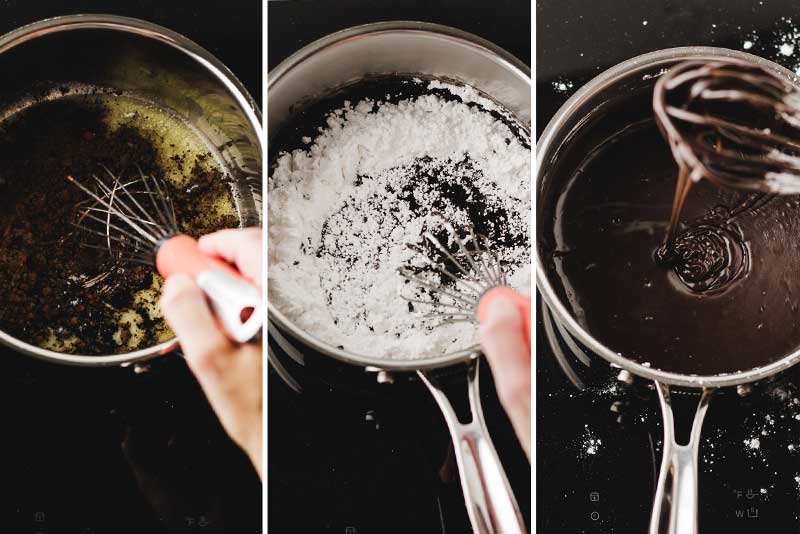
148, 30
448, 34
552, 134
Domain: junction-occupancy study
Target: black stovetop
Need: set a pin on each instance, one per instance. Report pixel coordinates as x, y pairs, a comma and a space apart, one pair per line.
109, 450
356, 460
599, 447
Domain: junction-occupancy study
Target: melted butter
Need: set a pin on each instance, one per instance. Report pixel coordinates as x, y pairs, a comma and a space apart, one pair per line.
173, 138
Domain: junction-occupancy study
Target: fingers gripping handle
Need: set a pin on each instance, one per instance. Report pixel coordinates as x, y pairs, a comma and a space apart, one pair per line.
490, 502
675, 506
235, 302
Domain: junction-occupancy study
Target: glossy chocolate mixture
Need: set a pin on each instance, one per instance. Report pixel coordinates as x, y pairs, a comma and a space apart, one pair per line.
727, 299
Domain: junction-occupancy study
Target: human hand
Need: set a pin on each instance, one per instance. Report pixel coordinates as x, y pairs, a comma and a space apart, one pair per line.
508, 349
229, 373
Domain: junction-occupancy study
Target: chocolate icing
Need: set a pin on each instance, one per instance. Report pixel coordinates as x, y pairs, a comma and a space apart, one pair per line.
722, 297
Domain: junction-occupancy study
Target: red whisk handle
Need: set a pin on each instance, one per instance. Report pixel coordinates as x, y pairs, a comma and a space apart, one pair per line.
235, 301
181, 254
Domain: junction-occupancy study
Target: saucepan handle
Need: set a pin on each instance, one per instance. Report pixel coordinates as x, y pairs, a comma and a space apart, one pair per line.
676, 505
490, 502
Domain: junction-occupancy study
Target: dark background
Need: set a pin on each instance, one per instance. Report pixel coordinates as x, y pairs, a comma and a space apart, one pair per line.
292, 25
231, 30
377, 462
109, 450
575, 41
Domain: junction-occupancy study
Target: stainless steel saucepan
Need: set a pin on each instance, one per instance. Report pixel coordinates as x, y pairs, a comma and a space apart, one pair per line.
675, 503
431, 50
157, 66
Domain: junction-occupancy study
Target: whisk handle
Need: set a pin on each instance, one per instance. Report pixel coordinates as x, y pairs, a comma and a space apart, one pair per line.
181, 254
236, 303
522, 302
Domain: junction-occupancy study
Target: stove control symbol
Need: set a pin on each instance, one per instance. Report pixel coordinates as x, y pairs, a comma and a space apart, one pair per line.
752, 513
738, 493
350, 530
594, 496
751, 494
39, 517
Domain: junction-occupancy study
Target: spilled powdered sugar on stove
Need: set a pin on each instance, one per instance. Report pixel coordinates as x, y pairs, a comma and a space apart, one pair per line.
344, 208
780, 43
590, 443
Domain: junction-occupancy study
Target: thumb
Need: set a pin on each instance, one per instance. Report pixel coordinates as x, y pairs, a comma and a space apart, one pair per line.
505, 347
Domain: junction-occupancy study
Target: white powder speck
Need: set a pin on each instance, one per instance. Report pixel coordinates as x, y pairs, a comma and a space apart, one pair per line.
343, 210
590, 442
654, 75
786, 35
753, 443
563, 86
644, 23
747, 45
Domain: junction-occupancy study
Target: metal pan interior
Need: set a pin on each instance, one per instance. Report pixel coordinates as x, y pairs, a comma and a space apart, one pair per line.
387, 49
169, 84
576, 136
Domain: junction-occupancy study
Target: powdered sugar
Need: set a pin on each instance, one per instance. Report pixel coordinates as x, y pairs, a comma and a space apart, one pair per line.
342, 210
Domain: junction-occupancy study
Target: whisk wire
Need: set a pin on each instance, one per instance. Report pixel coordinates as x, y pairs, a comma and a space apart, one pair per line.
493, 272
456, 263
131, 225
428, 285
119, 208
105, 203
733, 122
463, 275
167, 214
106, 212
128, 235
160, 231
441, 248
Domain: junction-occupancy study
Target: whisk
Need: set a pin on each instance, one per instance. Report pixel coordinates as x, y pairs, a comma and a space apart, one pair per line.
136, 220
458, 277
732, 122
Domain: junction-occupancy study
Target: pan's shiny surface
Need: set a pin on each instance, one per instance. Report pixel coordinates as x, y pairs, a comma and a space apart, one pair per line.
567, 121
392, 48
154, 64
412, 48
